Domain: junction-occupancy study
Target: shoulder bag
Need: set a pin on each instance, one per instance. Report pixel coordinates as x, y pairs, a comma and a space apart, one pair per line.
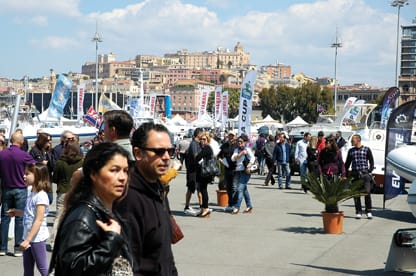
210, 168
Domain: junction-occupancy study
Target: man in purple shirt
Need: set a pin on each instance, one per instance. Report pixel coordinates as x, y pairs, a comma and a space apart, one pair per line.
13, 161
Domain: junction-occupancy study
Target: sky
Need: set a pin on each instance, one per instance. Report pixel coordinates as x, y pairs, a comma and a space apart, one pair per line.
39, 35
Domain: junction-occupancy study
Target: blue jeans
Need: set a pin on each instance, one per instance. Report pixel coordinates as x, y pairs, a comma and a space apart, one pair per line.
12, 198
286, 169
303, 171
241, 179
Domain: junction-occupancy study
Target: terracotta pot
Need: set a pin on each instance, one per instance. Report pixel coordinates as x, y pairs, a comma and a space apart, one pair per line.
333, 222
222, 198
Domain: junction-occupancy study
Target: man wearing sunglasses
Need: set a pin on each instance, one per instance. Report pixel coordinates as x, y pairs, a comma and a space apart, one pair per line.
145, 207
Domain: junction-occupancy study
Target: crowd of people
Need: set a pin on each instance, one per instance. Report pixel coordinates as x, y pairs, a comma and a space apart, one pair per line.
112, 207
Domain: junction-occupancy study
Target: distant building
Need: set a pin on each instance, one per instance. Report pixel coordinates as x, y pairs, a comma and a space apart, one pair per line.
407, 77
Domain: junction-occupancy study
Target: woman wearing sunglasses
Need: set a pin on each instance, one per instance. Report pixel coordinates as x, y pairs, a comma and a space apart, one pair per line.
241, 155
205, 153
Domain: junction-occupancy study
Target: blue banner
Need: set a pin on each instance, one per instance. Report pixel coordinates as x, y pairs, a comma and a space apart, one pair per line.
60, 97
168, 107
399, 131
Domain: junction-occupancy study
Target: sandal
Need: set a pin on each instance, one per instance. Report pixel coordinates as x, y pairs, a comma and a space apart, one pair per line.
204, 214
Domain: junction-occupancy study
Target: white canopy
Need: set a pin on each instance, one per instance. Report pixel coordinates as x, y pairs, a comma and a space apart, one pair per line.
268, 119
298, 121
177, 119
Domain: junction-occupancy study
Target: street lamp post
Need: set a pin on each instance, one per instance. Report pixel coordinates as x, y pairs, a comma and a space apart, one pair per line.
336, 45
97, 38
398, 4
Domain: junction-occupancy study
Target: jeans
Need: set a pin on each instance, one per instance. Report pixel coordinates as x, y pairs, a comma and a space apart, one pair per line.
303, 171
286, 169
36, 253
241, 178
12, 198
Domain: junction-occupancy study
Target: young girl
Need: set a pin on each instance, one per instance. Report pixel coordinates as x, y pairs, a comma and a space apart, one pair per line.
35, 232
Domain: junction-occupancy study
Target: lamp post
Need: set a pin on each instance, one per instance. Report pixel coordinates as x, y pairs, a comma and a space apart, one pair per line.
398, 4
336, 45
97, 38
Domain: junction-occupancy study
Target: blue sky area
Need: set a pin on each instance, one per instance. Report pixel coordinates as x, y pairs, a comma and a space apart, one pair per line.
42, 34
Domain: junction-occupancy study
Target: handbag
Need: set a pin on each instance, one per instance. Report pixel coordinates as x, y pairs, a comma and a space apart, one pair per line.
177, 233
210, 168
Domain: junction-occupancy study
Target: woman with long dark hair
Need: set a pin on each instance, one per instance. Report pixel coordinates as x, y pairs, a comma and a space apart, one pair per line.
91, 238
330, 160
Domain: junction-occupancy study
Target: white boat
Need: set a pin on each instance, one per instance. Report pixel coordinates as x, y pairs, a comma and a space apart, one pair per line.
27, 118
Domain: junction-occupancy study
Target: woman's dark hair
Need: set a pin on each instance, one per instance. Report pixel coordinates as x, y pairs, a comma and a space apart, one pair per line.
42, 140
139, 138
244, 137
95, 159
71, 151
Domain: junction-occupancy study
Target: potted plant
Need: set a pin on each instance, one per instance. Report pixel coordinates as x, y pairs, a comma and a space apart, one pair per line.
331, 191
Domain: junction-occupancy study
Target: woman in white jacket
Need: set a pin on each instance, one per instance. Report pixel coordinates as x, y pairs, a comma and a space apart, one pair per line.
244, 158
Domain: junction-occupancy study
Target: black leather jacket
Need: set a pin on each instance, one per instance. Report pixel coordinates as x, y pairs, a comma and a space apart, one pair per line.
82, 247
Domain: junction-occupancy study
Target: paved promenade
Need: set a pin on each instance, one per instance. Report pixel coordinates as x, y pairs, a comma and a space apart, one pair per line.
283, 236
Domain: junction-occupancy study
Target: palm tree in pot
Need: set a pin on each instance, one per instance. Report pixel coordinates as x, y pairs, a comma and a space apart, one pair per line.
331, 191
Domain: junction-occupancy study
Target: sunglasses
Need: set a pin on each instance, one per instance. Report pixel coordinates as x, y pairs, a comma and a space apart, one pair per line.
161, 151
203, 139
70, 139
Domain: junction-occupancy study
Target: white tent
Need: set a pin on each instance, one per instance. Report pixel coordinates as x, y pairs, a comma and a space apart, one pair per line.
268, 119
178, 120
298, 121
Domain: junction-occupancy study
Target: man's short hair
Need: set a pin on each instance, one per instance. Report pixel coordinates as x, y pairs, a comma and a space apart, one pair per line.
306, 134
140, 136
121, 120
198, 131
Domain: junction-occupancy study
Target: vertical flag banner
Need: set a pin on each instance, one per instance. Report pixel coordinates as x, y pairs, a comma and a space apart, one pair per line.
168, 107
106, 104
203, 102
389, 98
152, 105
92, 117
246, 100
399, 131
80, 97
224, 108
217, 102
60, 97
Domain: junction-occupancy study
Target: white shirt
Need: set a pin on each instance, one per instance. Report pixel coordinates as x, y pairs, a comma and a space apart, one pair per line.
300, 152
34, 199
239, 161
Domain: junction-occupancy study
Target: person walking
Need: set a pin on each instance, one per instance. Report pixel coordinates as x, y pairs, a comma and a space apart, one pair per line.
35, 230
281, 157
268, 156
361, 160
244, 158
191, 170
205, 153
13, 162
301, 157
145, 206
92, 237
226, 151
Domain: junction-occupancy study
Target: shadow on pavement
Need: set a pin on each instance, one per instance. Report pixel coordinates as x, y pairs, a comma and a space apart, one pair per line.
355, 272
302, 230
402, 216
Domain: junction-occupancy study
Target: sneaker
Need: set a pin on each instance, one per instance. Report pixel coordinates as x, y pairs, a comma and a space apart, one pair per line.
18, 253
369, 215
358, 216
190, 211
2, 253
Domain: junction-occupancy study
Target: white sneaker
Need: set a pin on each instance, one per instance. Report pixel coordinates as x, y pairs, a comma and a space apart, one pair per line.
358, 216
369, 215
190, 211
